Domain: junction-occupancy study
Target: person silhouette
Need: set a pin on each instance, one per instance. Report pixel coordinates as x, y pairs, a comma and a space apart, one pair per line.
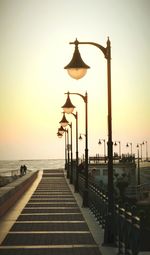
24, 169
21, 170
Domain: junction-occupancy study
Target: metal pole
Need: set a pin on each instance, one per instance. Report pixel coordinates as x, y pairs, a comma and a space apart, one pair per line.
120, 149
138, 169
85, 194
71, 173
77, 157
68, 153
65, 152
141, 151
109, 226
146, 151
104, 150
131, 148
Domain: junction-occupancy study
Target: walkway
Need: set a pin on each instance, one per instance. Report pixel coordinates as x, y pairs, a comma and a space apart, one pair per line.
50, 223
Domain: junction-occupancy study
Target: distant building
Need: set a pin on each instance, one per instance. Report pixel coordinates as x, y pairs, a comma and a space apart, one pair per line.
124, 169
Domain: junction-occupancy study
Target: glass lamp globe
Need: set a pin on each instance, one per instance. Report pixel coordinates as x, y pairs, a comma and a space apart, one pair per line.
77, 73
68, 110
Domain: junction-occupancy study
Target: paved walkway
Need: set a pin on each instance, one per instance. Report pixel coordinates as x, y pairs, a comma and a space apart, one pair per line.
50, 223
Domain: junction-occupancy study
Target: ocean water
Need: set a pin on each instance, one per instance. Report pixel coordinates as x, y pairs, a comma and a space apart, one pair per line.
33, 165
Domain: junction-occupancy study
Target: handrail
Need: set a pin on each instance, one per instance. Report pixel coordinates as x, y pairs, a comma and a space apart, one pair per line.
128, 223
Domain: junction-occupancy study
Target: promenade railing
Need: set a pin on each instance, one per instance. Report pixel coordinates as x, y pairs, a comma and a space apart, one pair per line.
131, 231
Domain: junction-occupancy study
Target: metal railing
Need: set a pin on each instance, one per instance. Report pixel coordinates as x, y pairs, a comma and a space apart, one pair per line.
131, 227
10, 172
130, 233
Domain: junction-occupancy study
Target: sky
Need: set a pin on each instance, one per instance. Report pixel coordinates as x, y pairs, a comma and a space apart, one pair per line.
34, 48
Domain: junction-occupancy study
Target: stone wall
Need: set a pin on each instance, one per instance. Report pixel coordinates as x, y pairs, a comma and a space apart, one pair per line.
10, 193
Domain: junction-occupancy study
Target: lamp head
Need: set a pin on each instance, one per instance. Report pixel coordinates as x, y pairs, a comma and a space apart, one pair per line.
59, 134
68, 107
64, 122
80, 137
99, 142
76, 68
61, 130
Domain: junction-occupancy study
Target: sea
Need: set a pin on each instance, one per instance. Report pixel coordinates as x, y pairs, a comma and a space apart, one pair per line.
40, 164
32, 165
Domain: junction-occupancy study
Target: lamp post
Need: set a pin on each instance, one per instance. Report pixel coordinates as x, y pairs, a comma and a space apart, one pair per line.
77, 156
138, 166
68, 107
129, 144
64, 122
145, 142
77, 69
60, 136
141, 144
80, 138
60, 132
68, 154
100, 142
66, 163
116, 143
71, 172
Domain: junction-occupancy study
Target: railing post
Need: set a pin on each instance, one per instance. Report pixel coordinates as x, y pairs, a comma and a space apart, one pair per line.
128, 229
135, 240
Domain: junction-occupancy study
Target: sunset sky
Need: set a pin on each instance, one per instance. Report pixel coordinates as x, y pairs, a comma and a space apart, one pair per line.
34, 48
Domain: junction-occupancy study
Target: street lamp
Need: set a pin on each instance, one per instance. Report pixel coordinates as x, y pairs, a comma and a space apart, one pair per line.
129, 144
60, 135
77, 156
67, 149
61, 130
116, 143
80, 136
100, 142
138, 166
64, 122
71, 172
145, 142
68, 107
140, 145
77, 69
